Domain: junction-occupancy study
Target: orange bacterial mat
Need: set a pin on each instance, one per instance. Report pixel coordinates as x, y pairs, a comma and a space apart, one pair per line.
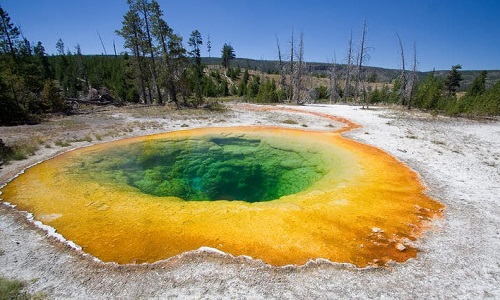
336, 199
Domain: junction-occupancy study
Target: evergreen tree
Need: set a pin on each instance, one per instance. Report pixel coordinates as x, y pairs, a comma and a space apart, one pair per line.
253, 87
8, 34
227, 55
10, 81
242, 86
195, 41
51, 99
223, 88
60, 47
209, 46
429, 93
209, 87
133, 35
172, 52
267, 92
43, 60
489, 102
144, 9
452, 82
478, 86
65, 72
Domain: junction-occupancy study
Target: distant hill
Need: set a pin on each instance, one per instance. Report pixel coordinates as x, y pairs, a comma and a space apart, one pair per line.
380, 74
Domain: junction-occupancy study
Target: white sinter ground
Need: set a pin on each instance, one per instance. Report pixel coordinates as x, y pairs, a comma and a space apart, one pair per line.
457, 159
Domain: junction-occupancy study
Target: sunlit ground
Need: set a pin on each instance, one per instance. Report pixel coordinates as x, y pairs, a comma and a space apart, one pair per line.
284, 196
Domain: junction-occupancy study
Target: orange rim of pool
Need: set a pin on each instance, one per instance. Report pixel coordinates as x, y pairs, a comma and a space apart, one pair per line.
283, 196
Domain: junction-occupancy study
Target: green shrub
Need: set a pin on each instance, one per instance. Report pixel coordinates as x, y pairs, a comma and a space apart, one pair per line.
19, 150
62, 143
11, 289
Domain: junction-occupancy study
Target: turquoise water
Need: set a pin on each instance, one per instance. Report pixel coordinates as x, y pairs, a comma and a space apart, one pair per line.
207, 168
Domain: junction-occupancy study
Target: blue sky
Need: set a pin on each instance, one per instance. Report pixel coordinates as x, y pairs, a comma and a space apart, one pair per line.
446, 32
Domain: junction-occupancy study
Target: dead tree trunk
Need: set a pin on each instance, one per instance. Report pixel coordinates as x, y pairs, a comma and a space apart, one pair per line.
402, 90
281, 67
347, 89
360, 65
292, 67
299, 72
413, 75
333, 82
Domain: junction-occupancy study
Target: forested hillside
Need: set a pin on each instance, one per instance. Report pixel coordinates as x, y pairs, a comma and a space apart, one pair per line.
162, 67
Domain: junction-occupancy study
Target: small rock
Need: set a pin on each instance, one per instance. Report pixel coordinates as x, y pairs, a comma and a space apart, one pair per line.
400, 247
377, 230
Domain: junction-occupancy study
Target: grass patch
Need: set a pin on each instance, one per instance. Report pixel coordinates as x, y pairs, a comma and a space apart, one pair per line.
12, 289
86, 138
62, 143
216, 105
19, 149
142, 126
109, 133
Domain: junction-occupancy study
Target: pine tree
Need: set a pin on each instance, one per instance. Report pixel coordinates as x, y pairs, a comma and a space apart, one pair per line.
10, 81
8, 34
195, 41
452, 82
133, 35
51, 99
144, 10
227, 55
478, 86
429, 93
43, 60
172, 53
209, 46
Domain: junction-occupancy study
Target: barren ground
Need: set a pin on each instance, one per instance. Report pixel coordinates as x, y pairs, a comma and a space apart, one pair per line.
457, 159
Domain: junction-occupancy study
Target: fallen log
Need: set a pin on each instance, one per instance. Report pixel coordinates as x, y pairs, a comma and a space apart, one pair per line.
84, 101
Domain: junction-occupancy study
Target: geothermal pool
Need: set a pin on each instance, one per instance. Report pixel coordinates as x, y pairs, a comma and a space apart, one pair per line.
284, 196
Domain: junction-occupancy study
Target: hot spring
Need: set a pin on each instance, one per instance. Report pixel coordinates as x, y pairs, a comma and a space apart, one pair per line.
283, 196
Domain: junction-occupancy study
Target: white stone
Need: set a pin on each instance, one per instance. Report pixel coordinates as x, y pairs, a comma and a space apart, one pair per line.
400, 247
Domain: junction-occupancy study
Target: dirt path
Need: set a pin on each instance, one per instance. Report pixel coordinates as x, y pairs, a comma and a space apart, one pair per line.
459, 160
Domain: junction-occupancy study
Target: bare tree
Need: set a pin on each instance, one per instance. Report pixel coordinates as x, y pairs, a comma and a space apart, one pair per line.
359, 67
292, 83
333, 81
347, 89
298, 72
402, 89
413, 79
281, 67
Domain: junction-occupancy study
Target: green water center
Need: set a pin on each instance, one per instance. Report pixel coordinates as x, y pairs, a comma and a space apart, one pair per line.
207, 168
